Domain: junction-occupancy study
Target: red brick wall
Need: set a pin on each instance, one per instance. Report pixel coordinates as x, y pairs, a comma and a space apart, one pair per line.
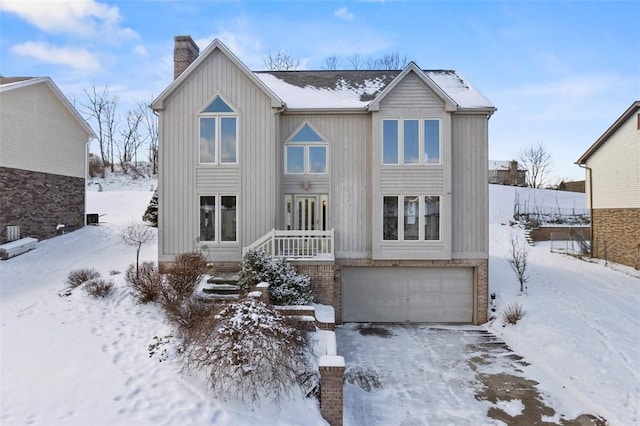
331, 393
616, 235
322, 279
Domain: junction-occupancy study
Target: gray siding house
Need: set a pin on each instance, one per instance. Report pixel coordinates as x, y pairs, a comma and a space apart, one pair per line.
374, 183
43, 158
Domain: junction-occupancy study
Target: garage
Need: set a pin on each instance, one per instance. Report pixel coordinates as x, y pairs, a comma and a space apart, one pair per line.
407, 294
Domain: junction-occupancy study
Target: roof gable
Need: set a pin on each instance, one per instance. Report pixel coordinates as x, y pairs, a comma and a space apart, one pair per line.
609, 132
17, 83
450, 105
216, 45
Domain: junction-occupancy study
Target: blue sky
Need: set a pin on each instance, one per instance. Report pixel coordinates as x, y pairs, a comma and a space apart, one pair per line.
559, 72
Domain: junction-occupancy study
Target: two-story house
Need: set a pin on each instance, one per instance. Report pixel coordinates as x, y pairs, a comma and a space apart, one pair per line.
43, 160
374, 183
612, 166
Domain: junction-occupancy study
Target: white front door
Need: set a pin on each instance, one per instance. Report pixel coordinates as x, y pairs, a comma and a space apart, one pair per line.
305, 212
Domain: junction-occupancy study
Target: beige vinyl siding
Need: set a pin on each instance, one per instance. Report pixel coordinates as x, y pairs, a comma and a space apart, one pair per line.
38, 133
412, 93
470, 188
616, 169
182, 180
411, 98
347, 182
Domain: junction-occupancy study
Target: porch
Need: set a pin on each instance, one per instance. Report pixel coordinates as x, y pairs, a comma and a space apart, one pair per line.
296, 244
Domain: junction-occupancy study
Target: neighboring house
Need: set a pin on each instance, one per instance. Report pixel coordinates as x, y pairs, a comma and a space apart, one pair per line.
612, 166
373, 182
507, 173
43, 157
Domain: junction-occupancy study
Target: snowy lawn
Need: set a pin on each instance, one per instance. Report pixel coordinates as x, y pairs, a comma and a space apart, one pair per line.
581, 329
77, 360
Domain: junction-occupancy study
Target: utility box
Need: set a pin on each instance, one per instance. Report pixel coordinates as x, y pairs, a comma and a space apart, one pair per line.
92, 218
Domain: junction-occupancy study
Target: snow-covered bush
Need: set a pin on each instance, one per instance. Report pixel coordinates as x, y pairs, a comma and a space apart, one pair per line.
81, 276
252, 353
286, 286
99, 287
512, 313
151, 214
146, 283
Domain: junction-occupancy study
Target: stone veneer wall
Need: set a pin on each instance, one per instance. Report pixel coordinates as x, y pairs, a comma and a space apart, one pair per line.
616, 235
38, 202
480, 280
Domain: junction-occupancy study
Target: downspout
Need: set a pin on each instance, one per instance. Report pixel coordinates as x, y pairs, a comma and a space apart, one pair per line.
590, 173
86, 175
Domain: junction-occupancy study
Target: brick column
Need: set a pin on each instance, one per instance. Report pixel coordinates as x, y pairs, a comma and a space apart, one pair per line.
331, 388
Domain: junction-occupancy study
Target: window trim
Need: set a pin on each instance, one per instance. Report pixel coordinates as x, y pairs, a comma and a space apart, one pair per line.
218, 116
306, 154
218, 218
421, 141
400, 220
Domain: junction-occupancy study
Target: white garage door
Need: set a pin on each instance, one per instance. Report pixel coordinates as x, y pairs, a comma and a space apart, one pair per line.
393, 294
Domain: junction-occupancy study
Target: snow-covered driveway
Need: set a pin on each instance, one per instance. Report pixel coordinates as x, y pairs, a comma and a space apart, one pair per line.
425, 375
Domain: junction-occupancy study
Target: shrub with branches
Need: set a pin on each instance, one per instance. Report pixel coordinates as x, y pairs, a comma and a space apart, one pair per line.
512, 313
518, 260
286, 286
252, 353
181, 279
146, 283
136, 234
80, 276
99, 287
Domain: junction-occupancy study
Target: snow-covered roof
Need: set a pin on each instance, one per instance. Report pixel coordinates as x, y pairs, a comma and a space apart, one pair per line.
503, 165
356, 88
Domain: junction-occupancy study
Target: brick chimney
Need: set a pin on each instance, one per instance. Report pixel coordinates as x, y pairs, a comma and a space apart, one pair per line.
185, 51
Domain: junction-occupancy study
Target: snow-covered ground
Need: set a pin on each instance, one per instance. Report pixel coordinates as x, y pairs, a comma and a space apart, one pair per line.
581, 330
84, 361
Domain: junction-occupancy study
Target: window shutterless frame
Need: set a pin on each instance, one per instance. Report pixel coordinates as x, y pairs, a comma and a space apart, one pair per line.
411, 141
218, 133
218, 218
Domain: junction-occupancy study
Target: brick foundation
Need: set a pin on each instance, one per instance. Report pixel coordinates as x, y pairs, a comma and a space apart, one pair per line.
616, 236
39, 202
322, 279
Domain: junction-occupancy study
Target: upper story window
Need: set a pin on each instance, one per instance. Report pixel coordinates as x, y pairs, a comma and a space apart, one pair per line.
411, 141
218, 133
306, 152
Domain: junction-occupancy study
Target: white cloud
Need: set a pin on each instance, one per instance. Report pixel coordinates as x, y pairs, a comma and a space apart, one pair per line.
140, 50
343, 13
76, 58
86, 18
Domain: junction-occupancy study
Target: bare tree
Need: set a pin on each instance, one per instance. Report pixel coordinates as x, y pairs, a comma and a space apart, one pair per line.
100, 110
150, 126
388, 61
281, 61
518, 260
331, 63
537, 160
355, 59
131, 140
135, 235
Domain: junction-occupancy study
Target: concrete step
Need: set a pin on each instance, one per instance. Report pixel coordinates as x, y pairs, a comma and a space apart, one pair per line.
221, 289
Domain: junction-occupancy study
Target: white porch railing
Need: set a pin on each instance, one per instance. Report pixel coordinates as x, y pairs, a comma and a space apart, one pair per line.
296, 244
